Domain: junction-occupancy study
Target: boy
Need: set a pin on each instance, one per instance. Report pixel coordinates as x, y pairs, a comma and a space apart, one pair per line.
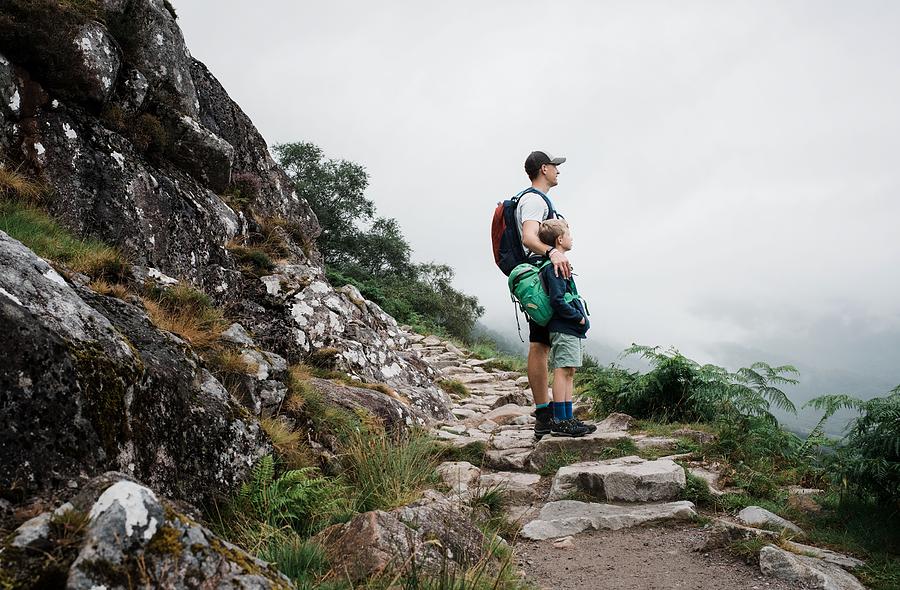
568, 328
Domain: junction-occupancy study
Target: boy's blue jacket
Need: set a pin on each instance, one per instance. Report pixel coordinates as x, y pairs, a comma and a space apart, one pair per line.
566, 316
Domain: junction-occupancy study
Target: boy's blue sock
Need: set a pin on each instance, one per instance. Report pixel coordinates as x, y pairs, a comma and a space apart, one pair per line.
568, 411
539, 406
559, 410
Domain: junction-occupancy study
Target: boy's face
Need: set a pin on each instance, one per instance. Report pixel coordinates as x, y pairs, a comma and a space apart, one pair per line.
564, 242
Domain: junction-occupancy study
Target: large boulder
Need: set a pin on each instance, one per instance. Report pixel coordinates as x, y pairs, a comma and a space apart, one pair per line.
78, 398
628, 479
430, 535
118, 533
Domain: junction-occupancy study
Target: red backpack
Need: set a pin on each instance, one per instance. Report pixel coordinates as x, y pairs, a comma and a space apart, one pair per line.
506, 235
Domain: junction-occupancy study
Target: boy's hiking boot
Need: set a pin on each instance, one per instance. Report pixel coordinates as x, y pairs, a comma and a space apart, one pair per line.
591, 428
542, 418
567, 428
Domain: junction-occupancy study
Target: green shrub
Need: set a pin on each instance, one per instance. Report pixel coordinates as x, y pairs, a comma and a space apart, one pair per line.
869, 461
697, 490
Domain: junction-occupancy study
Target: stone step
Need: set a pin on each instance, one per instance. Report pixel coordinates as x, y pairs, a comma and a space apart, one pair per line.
626, 479
586, 448
517, 488
569, 517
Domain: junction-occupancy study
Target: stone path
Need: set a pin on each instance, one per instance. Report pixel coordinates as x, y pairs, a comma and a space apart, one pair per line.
586, 486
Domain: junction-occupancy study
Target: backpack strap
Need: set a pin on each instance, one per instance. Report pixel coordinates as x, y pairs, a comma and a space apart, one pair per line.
551, 211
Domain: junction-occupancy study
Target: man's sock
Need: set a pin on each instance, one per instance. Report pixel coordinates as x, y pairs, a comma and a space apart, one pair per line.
568, 411
559, 410
539, 406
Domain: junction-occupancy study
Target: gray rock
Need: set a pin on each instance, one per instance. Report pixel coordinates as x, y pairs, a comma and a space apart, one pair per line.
517, 488
136, 536
514, 458
505, 414
812, 572
236, 334
33, 533
724, 532
395, 412
568, 517
458, 475
826, 555
628, 479
432, 532
431, 341
100, 60
513, 439
616, 422
756, 516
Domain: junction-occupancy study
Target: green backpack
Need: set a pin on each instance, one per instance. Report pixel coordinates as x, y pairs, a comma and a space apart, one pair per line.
527, 288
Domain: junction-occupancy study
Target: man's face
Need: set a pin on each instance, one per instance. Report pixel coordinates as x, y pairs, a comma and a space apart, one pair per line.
551, 172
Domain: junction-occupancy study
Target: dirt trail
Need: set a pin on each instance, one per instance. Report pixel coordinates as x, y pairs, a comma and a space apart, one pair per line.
650, 558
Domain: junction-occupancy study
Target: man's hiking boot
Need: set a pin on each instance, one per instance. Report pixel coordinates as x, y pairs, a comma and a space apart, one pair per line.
567, 428
591, 428
542, 418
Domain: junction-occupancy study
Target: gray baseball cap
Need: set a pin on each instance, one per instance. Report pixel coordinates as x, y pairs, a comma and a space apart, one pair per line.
535, 160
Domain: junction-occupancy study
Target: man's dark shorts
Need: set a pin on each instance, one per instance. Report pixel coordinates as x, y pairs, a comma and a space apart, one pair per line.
539, 334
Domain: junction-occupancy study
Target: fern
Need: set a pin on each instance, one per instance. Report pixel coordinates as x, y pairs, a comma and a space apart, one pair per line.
296, 498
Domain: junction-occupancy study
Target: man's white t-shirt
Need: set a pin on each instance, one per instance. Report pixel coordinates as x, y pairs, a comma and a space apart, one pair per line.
531, 208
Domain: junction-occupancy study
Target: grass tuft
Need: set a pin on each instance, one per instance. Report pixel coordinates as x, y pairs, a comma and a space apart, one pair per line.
387, 471
187, 312
46, 238
557, 460
15, 186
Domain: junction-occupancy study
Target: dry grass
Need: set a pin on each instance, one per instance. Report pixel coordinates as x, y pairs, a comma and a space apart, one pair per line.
15, 185
201, 330
116, 290
289, 443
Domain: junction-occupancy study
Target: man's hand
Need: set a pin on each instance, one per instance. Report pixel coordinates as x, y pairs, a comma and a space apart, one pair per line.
561, 264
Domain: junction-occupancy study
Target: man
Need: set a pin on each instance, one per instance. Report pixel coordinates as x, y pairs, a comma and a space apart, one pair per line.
543, 171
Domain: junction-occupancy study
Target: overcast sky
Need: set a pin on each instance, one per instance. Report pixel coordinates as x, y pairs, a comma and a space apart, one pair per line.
732, 176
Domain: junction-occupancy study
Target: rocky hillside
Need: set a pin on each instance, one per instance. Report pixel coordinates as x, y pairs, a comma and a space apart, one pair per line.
128, 141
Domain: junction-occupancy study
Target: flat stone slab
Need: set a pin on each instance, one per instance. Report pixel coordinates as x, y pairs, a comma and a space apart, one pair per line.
756, 516
569, 517
810, 571
627, 479
518, 488
586, 448
507, 459
513, 439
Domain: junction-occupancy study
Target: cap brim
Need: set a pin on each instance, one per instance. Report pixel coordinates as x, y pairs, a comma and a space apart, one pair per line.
557, 161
